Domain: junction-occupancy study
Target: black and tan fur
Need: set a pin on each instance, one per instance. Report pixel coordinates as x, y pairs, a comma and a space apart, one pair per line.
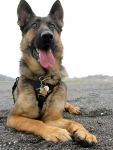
43, 33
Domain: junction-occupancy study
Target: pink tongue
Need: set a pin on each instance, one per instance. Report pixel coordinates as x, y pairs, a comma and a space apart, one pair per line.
46, 58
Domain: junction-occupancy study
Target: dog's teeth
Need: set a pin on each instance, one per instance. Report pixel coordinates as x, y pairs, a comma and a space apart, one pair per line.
37, 50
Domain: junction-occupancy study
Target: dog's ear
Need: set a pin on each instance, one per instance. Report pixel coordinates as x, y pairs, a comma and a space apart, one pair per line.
24, 13
57, 13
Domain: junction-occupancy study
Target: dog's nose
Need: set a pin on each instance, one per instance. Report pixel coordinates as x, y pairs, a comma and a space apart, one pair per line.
47, 36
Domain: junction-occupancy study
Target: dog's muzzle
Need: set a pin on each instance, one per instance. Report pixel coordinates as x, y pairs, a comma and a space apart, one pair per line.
43, 52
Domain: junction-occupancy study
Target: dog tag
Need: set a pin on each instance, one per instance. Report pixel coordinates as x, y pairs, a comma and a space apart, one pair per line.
44, 92
46, 88
40, 90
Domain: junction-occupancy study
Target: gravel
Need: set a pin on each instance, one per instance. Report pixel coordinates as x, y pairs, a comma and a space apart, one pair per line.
96, 103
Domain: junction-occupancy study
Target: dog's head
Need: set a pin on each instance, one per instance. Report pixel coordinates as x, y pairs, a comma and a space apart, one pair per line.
41, 44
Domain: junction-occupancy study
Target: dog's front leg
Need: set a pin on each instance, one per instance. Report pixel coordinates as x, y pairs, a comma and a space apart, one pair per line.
38, 128
75, 129
53, 117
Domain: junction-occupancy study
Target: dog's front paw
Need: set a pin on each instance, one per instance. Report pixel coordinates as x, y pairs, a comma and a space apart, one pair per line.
55, 134
84, 137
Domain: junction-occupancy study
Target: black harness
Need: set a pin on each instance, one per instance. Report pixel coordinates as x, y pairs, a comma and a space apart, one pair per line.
41, 89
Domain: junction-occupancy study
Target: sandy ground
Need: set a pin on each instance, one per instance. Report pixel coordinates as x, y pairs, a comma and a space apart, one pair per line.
96, 103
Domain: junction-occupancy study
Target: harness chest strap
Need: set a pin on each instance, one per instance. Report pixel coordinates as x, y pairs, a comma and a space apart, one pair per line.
36, 86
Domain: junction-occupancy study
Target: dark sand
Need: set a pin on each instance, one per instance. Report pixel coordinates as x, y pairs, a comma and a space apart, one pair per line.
96, 103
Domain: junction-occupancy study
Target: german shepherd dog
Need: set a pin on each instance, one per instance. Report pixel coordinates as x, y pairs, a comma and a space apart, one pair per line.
40, 93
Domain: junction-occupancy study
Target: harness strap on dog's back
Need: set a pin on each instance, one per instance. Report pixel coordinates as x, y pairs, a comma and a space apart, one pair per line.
15, 85
36, 85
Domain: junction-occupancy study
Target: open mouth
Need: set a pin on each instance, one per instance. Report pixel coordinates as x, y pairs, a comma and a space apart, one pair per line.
44, 57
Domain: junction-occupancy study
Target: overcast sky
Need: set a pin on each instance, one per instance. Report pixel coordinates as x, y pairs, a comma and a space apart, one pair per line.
87, 36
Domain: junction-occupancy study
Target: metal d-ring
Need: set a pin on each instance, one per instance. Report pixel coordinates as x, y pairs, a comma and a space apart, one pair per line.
41, 78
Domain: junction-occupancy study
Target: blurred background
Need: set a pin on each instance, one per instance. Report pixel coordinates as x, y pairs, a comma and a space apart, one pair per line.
87, 36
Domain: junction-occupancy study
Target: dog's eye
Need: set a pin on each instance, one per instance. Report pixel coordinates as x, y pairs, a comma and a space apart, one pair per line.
51, 25
34, 25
